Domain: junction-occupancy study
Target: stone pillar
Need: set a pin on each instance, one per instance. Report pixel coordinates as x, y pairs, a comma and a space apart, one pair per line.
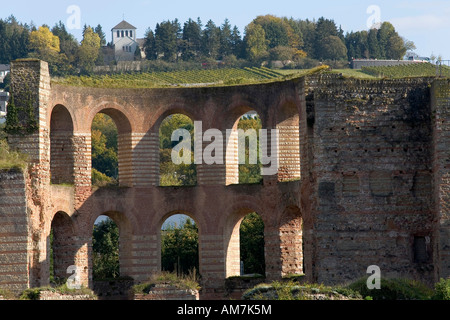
212, 261
30, 87
146, 159
289, 149
210, 173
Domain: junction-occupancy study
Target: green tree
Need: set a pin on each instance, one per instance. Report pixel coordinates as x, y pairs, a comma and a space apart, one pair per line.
179, 247
255, 42
150, 45
333, 48
171, 173
104, 150
68, 43
226, 40
14, 40
373, 44
237, 44
249, 173
211, 40
105, 250
89, 50
192, 36
99, 31
252, 244
166, 40
276, 30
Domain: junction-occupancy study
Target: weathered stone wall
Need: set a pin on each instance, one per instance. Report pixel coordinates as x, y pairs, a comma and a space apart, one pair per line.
441, 183
15, 240
167, 292
372, 172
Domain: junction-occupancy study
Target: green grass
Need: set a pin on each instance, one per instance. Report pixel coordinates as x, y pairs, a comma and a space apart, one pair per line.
35, 293
292, 290
391, 289
10, 159
187, 282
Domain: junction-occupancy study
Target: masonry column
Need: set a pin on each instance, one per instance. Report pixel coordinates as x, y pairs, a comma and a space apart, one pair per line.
29, 133
146, 159
441, 170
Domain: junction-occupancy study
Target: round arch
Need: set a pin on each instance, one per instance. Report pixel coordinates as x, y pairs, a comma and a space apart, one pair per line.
124, 141
188, 250
234, 162
62, 248
62, 161
232, 239
125, 240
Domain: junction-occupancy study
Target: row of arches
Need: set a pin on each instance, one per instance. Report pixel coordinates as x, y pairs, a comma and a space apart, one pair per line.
246, 247
112, 147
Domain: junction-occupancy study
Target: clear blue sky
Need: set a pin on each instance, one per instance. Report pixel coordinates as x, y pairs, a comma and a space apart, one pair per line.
426, 23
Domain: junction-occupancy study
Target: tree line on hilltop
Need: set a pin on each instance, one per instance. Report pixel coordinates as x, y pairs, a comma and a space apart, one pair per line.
266, 38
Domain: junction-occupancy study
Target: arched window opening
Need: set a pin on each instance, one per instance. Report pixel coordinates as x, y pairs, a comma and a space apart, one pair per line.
105, 161
245, 253
61, 146
177, 167
243, 161
105, 249
62, 251
249, 168
252, 245
179, 245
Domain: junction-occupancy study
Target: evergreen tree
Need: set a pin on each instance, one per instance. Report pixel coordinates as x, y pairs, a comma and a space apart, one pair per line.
99, 30
166, 40
150, 45
226, 40
211, 40
237, 44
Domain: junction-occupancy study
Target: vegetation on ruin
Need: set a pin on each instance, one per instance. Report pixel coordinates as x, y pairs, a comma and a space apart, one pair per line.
391, 289
10, 159
35, 293
292, 290
184, 282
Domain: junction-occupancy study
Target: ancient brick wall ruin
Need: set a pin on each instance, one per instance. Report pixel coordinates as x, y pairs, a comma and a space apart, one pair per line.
362, 179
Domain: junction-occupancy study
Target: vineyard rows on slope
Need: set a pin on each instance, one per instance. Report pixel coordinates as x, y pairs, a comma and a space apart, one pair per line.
226, 76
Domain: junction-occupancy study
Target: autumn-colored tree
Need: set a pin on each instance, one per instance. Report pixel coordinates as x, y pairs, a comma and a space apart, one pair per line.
104, 151
43, 40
